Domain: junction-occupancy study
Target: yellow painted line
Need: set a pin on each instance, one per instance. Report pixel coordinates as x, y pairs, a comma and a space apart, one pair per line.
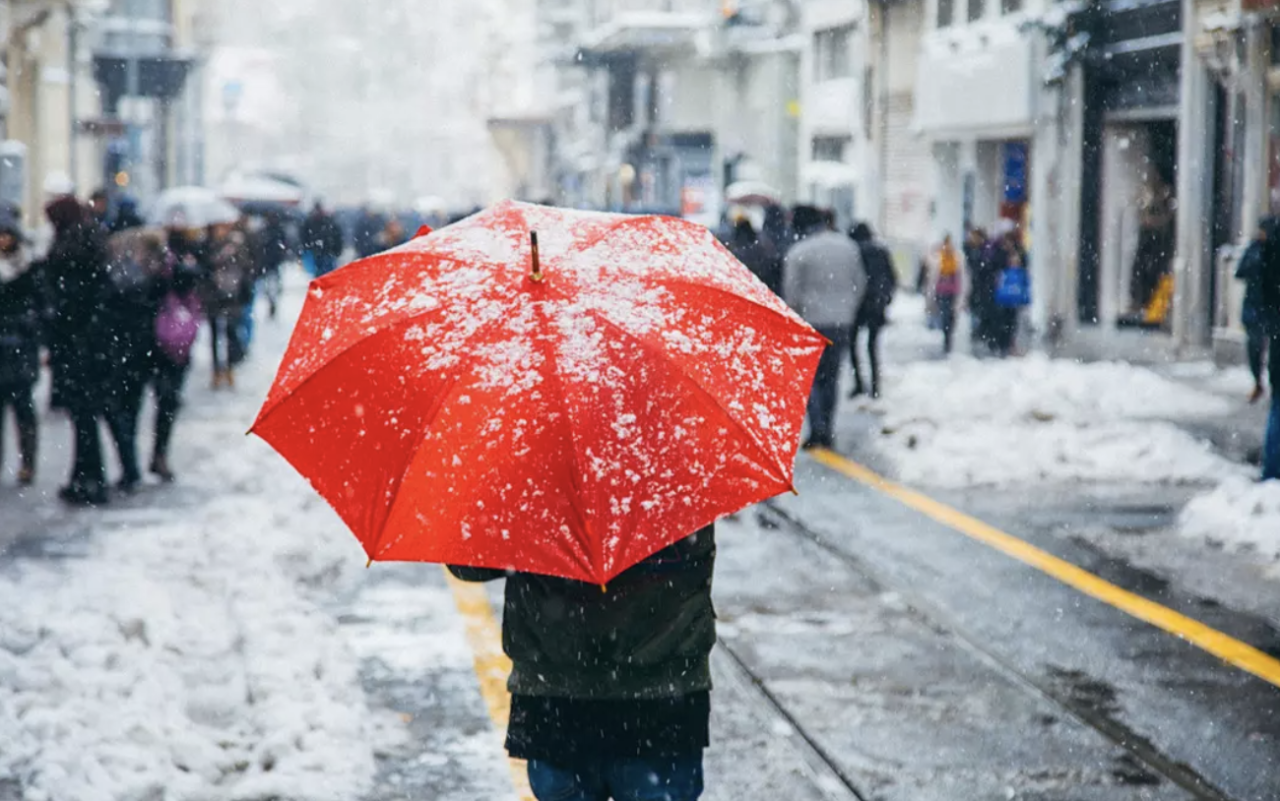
1223, 646
492, 666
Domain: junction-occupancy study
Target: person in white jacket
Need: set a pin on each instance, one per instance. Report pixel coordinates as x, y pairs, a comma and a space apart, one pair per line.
824, 281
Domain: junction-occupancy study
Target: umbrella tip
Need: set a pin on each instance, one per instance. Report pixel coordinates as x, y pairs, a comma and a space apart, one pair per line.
794, 491
604, 588
369, 563
536, 275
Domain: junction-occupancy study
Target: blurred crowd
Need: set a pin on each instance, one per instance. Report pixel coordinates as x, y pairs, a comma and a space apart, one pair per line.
114, 308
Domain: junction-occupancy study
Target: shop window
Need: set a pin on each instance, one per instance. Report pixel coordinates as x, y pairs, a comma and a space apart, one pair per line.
829, 148
977, 10
831, 57
947, 13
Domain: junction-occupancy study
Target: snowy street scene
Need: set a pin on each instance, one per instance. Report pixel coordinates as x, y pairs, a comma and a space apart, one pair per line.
650, 400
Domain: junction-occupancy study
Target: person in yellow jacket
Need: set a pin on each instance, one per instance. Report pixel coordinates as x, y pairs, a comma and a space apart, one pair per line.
947, 288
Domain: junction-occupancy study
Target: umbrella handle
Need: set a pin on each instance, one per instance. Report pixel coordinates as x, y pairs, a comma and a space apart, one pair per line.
537, 275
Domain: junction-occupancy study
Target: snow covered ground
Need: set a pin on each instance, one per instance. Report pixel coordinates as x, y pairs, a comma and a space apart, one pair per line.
1240, 515
963, 422
193, 653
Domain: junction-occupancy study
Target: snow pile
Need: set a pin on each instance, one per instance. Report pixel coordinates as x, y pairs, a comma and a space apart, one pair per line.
964, 422
184, 659
1240, 515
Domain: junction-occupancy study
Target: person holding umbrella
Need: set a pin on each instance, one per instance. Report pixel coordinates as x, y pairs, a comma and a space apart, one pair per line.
557, 397
611, 691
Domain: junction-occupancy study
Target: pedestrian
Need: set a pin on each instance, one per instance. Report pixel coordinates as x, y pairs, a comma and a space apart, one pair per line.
176, 326
759, 255
365, 236
1012, 292
20, 308
1253, 314
979, 253
823, 280
882, 284
946, 290
1268, 307
273, 249
776, 230
392, 235
134, 259
79, 339
610, 691
322, 239
227, 281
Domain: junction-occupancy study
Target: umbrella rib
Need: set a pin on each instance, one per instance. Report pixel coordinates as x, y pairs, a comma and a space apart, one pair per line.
667, 281
751, 437
575, 500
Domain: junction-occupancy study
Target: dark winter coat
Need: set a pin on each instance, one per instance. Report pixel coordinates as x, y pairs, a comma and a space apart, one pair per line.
1267, 280
136, 258
882, 283
365, 237
79, 288
760, 257
228, 283
1250, 270
272, 246
20, 307
648, 635
321, 234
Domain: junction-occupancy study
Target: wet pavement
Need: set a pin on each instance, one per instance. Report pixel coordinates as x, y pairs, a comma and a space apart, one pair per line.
866, 651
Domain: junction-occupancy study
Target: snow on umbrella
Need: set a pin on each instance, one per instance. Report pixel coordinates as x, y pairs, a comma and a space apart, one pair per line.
191, 207
549, 391
243, 189
752, 193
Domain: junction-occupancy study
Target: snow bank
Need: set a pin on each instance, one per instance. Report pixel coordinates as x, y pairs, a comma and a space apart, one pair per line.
1240, 515
964, 422
184, 659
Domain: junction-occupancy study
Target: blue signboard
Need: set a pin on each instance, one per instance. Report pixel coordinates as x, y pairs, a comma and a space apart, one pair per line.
1014, 156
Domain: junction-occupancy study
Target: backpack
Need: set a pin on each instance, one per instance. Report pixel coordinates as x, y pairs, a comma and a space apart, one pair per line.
177, 326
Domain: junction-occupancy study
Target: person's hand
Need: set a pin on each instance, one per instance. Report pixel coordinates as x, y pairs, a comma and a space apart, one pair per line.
1256, 395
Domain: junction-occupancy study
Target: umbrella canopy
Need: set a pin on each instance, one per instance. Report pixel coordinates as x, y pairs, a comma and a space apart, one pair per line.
566, 408
242, 189
191, 207
752, 193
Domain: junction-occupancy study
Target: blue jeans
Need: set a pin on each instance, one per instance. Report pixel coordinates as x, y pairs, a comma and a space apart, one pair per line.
1271, 450
826, 387
658, 779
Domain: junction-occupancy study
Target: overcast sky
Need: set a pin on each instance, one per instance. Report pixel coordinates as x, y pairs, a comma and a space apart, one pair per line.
360, 102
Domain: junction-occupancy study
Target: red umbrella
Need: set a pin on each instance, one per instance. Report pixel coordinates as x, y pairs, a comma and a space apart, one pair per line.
550, 391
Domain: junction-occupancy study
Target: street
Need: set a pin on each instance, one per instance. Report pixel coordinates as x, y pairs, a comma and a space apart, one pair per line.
221, 638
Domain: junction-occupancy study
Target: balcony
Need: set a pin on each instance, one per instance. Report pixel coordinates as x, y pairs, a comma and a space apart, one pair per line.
655, 32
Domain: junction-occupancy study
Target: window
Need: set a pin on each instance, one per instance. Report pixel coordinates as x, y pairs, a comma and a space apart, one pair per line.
1010, 6
977, 9
831, 57
829, 148
946, 13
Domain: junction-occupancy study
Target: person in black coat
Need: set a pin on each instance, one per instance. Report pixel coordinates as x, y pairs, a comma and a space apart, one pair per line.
135, 258
322, 238
882, 283
79, 339
759, 255
20, 306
